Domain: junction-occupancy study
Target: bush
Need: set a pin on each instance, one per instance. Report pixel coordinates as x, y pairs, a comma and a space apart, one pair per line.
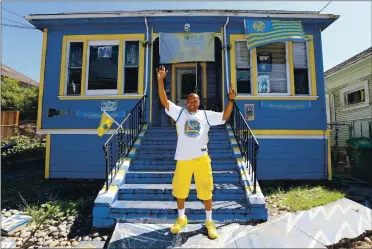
23, 145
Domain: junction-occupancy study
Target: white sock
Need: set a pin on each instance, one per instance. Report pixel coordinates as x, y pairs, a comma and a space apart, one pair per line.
181, 213
208, 215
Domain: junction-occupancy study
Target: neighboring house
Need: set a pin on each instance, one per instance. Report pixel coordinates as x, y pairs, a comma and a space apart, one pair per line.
349, 94
108, 59
9, 72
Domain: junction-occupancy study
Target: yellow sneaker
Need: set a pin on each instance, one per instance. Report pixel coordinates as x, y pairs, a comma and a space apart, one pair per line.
180, 223
211, 227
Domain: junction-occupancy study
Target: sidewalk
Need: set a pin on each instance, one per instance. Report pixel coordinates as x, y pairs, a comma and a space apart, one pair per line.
316, 228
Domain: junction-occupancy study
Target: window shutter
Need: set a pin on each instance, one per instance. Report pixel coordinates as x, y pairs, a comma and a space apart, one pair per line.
241, 54
299, 55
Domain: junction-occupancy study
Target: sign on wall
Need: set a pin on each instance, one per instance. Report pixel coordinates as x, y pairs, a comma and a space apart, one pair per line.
263, 83
249, 111
109, 106
286, 105
264, 62
97, 115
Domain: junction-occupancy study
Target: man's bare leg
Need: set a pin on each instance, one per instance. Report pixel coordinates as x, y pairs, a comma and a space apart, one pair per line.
180, 203
208, 205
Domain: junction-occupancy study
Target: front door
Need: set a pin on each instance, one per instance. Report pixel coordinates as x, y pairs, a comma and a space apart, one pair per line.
186, 84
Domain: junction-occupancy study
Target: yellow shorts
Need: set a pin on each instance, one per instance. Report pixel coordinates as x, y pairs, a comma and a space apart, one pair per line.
202, 170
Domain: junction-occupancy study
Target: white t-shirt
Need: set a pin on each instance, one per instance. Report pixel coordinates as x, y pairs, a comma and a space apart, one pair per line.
192, 130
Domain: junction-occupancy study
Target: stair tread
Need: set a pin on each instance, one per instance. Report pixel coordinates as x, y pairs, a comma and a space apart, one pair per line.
172, 172
195, 205
227, 186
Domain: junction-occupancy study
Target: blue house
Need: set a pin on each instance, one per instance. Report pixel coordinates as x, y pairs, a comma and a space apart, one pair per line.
105, 62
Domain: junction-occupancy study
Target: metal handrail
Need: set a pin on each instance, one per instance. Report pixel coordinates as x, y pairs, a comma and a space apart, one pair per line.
247, 142
119, 144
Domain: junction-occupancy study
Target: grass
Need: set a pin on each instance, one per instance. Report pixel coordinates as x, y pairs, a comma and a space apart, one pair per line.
304, 197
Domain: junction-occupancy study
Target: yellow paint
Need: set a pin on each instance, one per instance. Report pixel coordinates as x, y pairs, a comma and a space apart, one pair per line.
290, 132
88, 97
151, 76
121, 67
84, 67
42, 75
47, 157
258, 189
253, 63
254, 71
86, 39
291, 67
329, 155
276, 98
312, 66
112, 188
120, 172
63, 68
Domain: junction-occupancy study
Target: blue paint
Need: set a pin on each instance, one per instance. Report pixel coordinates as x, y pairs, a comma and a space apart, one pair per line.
286, 105
98, 115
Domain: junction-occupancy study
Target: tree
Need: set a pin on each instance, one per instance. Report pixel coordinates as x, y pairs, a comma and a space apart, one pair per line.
18, 98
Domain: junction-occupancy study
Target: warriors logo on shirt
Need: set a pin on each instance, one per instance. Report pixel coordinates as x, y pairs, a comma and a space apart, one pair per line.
192, 128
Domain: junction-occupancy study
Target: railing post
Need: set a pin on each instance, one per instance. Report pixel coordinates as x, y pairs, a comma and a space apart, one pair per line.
107, 167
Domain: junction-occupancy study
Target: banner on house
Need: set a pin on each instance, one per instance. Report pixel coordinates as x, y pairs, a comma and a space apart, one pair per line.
186, 47
262, 32
97, 115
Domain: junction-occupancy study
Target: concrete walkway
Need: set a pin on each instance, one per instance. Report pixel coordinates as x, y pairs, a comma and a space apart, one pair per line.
316, 228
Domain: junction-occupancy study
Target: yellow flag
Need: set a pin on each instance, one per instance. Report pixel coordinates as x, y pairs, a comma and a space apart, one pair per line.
104, 125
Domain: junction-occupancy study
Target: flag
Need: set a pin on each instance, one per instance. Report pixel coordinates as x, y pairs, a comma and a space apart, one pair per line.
105, 124
262, 32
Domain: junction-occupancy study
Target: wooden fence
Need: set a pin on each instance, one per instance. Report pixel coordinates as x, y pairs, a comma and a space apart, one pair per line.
9, 121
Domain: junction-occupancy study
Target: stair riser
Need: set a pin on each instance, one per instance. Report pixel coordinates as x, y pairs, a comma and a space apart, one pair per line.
168, 180
152, 156
171, 167
260, 215
168, 196
171, 161
146, 147
174, 142
174, 137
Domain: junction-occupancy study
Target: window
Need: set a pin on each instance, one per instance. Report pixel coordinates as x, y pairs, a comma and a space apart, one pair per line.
74, 68
272, 69
355, 95
131, 67
102, 67
301, 68
243, 68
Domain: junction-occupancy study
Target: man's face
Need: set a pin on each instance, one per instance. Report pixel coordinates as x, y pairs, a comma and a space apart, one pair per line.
193, 102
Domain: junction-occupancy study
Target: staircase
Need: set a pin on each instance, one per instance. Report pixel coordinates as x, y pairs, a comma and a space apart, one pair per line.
146, 191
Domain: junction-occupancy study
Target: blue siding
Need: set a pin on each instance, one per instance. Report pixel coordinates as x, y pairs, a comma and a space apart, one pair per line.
77, 156
292, 159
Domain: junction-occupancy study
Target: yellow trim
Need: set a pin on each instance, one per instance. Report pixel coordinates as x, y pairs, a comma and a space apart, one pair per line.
85, 39
276, 98
151, 76
291, 68
141, 67
42, 77
253, 63
47, 157
312, 66
291, 132
223, 71
121, 67
84, 67
63, 68
329, 156
88, 97
218, 34
205, 89
254, 71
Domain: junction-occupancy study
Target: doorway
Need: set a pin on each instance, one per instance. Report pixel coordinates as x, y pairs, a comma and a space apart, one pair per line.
185, 84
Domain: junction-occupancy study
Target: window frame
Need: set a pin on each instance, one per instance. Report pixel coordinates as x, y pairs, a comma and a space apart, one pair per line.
353, 88
122, 91
287, 69
67, 39
106, 91
250, 69
68, 47
308, 70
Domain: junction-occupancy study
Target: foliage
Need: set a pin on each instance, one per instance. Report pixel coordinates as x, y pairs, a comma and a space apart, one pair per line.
305, 197
16, 97
23, 144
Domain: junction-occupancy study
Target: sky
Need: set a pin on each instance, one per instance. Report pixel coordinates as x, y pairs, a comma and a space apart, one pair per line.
349, 35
